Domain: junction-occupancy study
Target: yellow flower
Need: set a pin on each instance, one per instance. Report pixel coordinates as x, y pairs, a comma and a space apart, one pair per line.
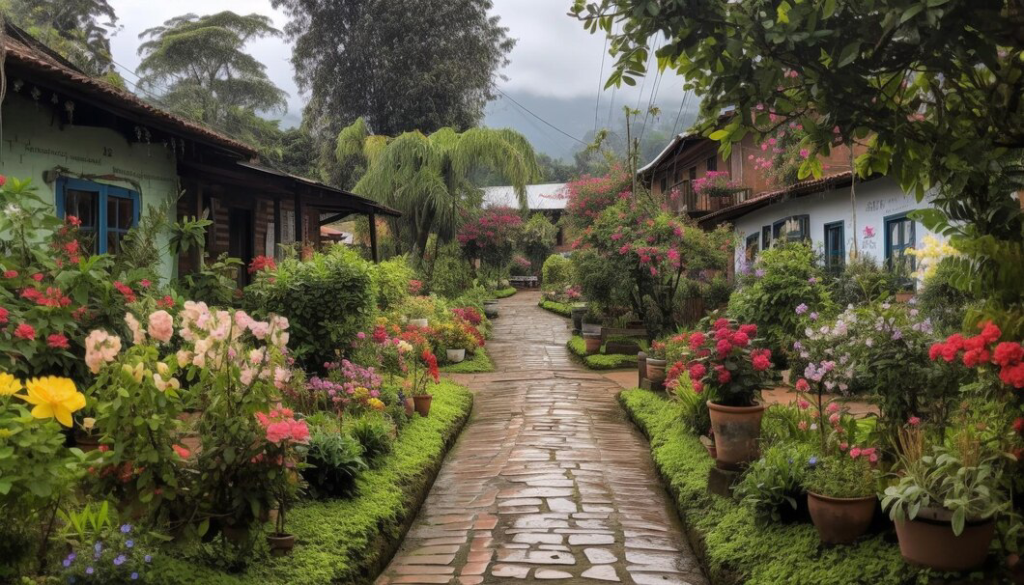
54, 397
8, 384
376, 404
5, 433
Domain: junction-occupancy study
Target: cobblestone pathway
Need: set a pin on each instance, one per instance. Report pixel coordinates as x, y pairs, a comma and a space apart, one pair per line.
548, 481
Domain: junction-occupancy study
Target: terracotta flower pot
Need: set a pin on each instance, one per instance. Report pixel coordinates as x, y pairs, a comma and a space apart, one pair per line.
455, 355
422, 404
86, 442
840, 520
281, 544
410, 406
419, 322
593, 343
928, 541
737, 430
655, 370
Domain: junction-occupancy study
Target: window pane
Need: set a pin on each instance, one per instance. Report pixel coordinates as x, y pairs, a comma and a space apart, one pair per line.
83, 205
119, 213
113, 242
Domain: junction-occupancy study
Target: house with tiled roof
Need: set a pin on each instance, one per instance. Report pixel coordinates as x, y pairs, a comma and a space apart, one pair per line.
106, 156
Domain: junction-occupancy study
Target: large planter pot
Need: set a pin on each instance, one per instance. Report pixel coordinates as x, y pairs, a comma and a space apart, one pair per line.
422, 404
591, 328
737, 430
86, 442
577, 314
928, 541
593, 343
655, 370
419, 322
491, 309
455, 355
281, 544
840, 520
410, 406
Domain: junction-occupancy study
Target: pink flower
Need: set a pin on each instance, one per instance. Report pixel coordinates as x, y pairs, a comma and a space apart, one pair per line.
57, 341
723, 347
11, 274
803, 404
833, 418
181, 451
804, 153
697, 371
299, 431
25, 331
278, 431
913, 421
760, 362
740, 339
4, 316
843, 446
832, 408
38, 277
802, 425
855, 452
138, 333
724, 376
698, 387
100, 348
161, 326
802, 385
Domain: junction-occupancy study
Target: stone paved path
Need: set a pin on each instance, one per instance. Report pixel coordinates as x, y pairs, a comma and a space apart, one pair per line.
548, 482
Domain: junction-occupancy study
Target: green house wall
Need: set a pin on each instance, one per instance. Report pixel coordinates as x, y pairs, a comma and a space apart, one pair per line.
34, 142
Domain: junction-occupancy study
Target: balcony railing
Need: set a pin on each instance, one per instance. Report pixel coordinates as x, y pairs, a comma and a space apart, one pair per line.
694, 204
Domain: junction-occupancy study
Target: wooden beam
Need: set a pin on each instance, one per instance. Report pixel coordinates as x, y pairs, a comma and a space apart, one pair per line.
299, 208
277, 228
373, 238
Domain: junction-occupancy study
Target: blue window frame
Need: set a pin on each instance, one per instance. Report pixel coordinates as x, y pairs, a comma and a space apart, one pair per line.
795, 228
900, 236
106, 212
835, 246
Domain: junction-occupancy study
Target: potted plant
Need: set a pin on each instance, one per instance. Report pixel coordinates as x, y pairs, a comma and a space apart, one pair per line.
456, 341
424, 371
841, 495
945, 500
735, 372
284, 454
491, 308
418, 311
656, 363
592, 342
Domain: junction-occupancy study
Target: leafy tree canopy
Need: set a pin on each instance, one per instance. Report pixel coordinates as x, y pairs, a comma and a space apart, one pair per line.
932, 88
77, 29
201, 64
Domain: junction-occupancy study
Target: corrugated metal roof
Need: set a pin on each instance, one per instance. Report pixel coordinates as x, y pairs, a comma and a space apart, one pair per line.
548, 196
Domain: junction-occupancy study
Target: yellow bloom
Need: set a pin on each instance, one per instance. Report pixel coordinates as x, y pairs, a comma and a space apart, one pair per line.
53, 397
5, 433
376, 404
8, 384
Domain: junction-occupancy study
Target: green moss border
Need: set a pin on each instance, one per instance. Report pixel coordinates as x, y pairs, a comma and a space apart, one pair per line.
478, 363
557, 308
351, 540
600, 361
505, 292
730, 542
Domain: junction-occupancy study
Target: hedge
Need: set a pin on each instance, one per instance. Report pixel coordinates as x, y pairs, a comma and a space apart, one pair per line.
350, 540
557, 308
478, 363
599, 361
505, 292
733, 545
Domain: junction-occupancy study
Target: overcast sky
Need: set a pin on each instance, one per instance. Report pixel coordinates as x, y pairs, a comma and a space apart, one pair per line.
554, 56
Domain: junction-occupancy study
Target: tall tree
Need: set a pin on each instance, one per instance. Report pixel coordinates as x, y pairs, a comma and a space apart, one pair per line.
77, 29
933, 88
428, 177
402, 65
200, 65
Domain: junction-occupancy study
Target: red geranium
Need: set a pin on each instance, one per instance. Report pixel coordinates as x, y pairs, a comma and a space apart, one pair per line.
25, 331
57, 341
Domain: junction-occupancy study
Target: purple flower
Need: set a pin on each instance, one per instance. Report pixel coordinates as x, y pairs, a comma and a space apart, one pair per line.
759, 272
801, 309
813, 316
135, 576
129, 543
126, 528
897, 334
89, 570
119, 560
813, 280
148, 558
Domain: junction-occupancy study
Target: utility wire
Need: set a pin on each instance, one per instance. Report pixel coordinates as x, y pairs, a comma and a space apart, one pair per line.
600, 79
527, 110
682, 105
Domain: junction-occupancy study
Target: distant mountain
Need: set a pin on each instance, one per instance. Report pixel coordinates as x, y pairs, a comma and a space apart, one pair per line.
575, 116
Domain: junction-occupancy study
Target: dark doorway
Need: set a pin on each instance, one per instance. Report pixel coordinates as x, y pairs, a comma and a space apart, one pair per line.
241, 241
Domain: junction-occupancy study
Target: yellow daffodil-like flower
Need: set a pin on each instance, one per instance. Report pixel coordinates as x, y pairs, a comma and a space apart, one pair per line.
53, 397
9, 384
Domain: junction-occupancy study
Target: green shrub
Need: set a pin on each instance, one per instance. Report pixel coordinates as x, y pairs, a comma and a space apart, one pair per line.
451, 273
335, 461
373, 432
786, 276
327, 299
537, 239
773, 484
613, 361
942, 302
391, 281
506, 292
558, 308
861, 281
556, 272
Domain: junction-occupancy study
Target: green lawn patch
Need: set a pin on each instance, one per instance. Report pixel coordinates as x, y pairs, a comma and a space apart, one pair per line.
505, 292
473, 364
352, 540
599, 361
733, 546
562, 309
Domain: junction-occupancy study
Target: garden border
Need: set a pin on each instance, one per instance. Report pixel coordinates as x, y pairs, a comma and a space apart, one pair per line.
599, 361
560, 309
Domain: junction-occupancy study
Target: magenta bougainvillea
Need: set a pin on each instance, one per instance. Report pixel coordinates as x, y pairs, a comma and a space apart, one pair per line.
492, 236
589, 196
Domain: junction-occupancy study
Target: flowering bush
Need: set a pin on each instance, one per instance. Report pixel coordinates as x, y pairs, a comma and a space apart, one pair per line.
468, 314
283, 453
589, 196
715, 184
117, 556
492, 237
261, 263
726, 363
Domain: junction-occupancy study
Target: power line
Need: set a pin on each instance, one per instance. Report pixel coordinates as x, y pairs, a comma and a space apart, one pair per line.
682, 105
559, 130
600, 78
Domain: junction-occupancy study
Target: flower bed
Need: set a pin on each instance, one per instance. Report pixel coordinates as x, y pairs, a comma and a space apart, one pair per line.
478, 363
505, 292
599, 361
733, 546
563, 309
351, 540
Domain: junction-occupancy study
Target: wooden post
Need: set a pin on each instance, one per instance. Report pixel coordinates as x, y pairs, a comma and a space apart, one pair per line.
373, 238
199, 260
278, 229
299, 236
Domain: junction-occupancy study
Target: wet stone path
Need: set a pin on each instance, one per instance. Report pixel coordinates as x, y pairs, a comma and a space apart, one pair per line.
549, 482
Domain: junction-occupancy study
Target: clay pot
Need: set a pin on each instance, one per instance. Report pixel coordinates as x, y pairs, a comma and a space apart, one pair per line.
422, 404
410, 406
419, 322
86, 442
928, 541
281, 544
655, 370
593, 343
455, 355
840, 520
904, 296
737, 430
709, 444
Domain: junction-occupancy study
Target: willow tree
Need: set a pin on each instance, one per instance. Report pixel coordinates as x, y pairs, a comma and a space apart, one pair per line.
427, 177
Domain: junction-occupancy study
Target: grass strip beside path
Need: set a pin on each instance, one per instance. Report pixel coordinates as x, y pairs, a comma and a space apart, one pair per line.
477, 363
599, 361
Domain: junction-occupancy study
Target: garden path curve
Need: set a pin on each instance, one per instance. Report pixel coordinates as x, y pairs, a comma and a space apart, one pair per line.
548, 481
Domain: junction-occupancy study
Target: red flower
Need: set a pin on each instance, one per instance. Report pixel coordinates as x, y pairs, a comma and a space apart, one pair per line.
723, 347
145, 283
1008, 353
696, 340
73, 220
1018, 425
431, 361
1013, 375
57, 341
260, 263
949, 351
975, 357
38, 277
181, 451
697, 371
956, 341
3, 180
740, 339
750, 330
990, 332
698, 386
721, 323
126, 291
802, 385
166, 302
25, 331
11, 274
935, 351
724, 377
4, 315
760, 362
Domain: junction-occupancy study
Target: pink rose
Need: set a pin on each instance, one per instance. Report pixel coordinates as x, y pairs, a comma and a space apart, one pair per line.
161, 326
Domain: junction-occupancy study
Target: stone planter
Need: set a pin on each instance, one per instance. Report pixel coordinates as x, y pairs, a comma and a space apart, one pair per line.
422, 404
577, 314
655, 371
928, 541
593, 343
491, 309
591, 328
281, 544
737, 430
840, 520
419, 322
455, 355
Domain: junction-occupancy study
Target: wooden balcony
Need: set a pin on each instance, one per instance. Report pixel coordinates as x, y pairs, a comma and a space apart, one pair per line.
697, 205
